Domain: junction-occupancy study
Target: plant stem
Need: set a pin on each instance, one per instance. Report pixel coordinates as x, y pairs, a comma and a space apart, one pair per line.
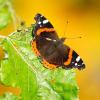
2, 37
13, 15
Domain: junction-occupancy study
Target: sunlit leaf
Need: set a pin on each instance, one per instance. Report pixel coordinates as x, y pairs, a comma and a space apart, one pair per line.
23, 69
2, 1
8, 96
5, 17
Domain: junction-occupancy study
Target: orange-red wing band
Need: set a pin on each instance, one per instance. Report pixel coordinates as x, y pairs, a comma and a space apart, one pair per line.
45, 63
34, 48
39, 31
69, 57
48, 65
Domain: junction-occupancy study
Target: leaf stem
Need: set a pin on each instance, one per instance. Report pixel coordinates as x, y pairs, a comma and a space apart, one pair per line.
13, 15
3, 37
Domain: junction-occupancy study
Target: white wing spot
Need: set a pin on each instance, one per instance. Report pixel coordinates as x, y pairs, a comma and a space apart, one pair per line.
75, 64
45, 21
39, 23
48, 39
78, 59
54, 40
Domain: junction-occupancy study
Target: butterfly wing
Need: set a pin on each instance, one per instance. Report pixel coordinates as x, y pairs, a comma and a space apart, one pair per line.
64, 56
59, 54
76, 62
51, 48
43, 28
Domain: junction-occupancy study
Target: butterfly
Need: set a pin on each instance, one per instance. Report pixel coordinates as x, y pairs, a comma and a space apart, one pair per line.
52, 50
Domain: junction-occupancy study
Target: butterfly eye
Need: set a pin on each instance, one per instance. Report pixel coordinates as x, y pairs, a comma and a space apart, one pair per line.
37, 17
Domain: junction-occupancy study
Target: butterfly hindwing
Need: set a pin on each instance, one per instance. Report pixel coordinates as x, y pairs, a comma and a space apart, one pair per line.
75, 62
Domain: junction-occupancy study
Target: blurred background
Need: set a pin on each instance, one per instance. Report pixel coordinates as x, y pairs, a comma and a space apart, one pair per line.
83, 17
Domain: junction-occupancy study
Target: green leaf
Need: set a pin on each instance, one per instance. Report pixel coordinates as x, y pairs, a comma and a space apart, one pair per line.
2, 1
6, 13
8, 96
15, 73
24, 70
5, 17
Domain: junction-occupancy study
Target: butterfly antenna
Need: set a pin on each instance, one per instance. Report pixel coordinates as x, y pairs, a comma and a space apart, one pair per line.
74, 37
65, 28
65, 33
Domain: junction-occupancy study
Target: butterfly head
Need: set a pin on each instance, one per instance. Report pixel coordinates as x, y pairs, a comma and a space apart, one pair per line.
37, 17
39, 20
42, 22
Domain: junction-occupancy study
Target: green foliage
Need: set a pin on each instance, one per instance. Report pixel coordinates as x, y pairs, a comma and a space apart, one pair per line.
5, 13
5, 17
24, 70
8, 96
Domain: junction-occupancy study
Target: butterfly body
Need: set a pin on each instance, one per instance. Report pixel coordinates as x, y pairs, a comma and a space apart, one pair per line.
50, 47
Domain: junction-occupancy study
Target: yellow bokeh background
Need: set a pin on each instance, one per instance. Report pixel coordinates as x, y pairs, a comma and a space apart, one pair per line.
83, 18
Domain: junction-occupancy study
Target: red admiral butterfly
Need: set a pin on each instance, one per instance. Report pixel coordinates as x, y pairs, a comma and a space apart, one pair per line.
50, 47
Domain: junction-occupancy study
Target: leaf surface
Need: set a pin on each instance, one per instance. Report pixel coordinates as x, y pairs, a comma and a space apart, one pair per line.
24, 70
